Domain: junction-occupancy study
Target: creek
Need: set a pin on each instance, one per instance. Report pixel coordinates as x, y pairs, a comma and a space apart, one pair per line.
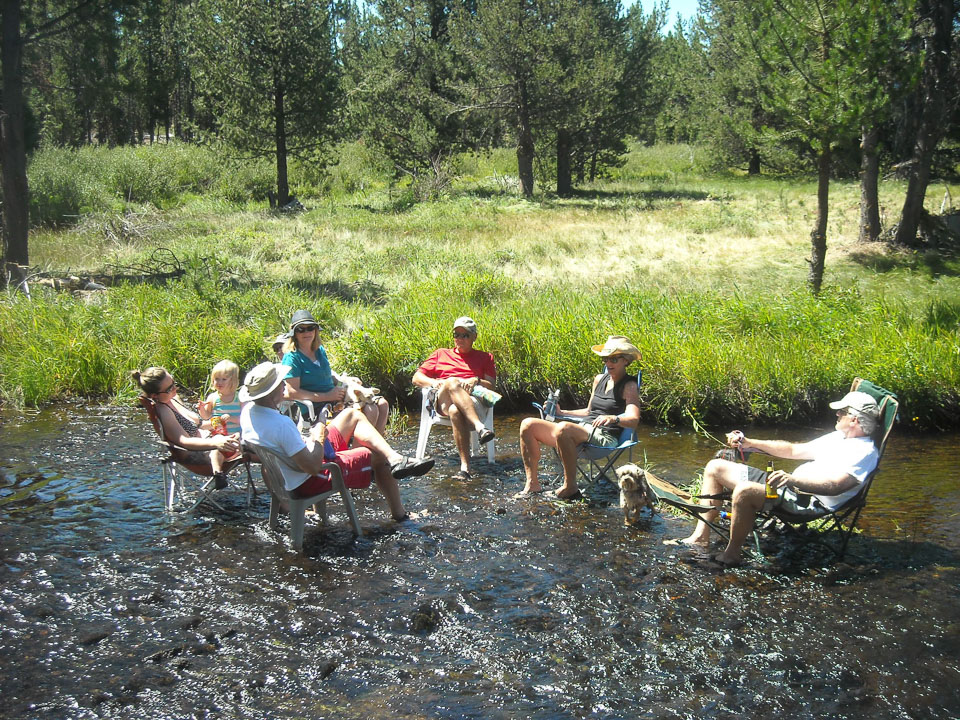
482, 607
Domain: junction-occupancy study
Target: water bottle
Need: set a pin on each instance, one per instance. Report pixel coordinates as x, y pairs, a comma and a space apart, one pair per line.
771, 491
550, 406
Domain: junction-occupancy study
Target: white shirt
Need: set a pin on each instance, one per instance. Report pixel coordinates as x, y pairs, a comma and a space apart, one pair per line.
267, 427
856, 456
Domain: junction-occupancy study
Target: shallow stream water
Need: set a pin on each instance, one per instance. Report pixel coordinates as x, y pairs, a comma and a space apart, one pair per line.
483, 607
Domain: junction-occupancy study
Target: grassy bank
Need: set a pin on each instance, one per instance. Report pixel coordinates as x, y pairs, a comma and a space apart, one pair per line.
705, 274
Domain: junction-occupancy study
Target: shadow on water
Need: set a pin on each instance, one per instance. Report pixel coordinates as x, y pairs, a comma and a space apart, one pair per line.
482, 607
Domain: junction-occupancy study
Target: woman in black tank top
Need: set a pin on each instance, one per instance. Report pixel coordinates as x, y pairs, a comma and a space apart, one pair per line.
181, 424
614, 404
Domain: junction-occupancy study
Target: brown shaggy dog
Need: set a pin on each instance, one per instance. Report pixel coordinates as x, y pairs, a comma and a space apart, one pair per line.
635, 493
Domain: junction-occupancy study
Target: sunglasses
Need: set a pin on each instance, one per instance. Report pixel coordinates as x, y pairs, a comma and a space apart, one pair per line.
614, 358
462, 336
171, 386
305, 328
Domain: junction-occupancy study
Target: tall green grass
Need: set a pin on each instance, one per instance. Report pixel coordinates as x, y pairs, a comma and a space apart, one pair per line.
67, 183
58, 346
737, 358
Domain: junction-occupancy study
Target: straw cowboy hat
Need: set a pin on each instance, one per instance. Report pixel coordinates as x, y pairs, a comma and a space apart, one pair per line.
617, 345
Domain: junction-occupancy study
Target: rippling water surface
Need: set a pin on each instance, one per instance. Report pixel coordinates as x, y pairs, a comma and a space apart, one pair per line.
484, 607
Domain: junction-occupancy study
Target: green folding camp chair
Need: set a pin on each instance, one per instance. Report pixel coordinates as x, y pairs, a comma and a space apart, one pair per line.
841, 521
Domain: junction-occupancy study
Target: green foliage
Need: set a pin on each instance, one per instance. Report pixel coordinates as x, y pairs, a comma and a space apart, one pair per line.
269, 76
66, 183
58, 346
405, 88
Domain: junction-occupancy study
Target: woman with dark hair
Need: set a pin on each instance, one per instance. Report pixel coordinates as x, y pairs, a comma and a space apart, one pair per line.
310, 379
184, 427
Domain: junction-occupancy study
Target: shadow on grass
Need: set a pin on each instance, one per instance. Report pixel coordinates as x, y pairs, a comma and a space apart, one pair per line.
588, 198
359, 291
935, 263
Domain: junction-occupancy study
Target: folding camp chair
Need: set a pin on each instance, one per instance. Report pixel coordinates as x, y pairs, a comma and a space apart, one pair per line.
281, 499
430, 417
840, 521
595, 462
179, 472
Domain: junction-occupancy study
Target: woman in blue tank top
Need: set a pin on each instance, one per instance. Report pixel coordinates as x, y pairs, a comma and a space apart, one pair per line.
614, 404
309, 377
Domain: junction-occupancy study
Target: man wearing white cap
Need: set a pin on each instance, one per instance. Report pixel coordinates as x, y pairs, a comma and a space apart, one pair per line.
837, 463
454, 373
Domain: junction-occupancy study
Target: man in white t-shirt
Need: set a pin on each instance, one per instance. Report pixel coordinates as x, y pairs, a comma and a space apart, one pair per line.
837, 463
262, 424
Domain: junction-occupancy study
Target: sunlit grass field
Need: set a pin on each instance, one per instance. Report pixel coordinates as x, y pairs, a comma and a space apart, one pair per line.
706, 273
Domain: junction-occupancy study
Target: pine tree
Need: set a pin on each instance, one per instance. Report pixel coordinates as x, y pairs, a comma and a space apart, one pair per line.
403, 82
270, 76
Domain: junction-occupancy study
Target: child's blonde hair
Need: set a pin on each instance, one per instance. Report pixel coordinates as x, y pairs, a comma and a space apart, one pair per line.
227, 369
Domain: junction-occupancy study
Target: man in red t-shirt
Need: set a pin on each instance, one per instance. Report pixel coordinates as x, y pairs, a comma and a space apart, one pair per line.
453, 374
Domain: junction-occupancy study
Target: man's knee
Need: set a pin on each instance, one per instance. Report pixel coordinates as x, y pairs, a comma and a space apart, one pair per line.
718, 468
750, 495
448, 385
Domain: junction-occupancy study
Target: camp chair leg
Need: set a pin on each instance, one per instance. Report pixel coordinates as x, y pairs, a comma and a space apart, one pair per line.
169, 486
274, 512
351, 511
251, 488
206, 495
320, 508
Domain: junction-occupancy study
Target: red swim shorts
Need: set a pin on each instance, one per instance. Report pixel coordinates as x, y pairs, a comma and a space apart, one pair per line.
356, 465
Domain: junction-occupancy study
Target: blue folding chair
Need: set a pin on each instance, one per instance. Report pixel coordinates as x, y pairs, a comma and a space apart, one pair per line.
595, 462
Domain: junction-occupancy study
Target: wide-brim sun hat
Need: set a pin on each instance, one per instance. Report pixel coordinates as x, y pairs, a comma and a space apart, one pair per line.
859, 402
302, 317
617, 345
280, 339
262, 380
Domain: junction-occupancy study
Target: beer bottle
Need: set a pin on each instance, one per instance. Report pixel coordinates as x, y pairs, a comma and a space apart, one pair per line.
771, 491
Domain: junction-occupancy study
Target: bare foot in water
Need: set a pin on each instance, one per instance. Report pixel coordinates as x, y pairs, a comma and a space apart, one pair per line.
687, 542
527, 492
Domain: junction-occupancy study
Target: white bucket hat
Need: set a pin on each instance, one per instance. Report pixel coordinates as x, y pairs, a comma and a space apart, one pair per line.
262, 380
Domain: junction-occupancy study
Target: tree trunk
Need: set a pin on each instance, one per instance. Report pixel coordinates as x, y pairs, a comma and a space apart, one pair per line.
564, 186
934, 86
13, 150
753, 167
818, 238
869, 173
525, 147
280, 131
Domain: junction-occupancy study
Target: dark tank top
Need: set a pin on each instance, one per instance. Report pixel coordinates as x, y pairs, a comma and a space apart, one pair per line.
189, 427
608, 402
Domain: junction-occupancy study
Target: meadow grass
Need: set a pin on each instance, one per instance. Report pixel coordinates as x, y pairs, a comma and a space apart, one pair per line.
705, 273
